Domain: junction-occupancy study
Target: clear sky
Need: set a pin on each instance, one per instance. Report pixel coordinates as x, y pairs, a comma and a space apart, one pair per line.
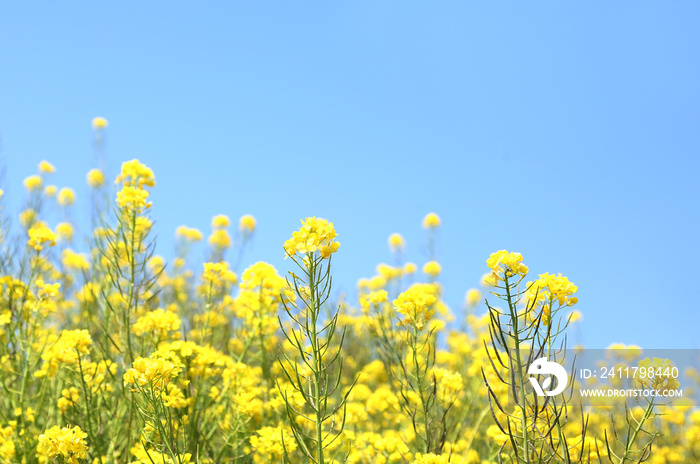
567, 132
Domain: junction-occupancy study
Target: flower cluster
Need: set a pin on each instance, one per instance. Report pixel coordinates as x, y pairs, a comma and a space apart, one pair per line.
504, 263
220, 238
159, 321
40, 235
431, 221
134, 178
95, 178
657, 374
396, 242
66, 443
550, 288
314, 235
153, 371
246, 224
416, 306
189, 233
67, 350
218, 275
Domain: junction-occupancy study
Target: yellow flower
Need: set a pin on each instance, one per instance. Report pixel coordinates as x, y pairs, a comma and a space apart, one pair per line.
39, 235
27, 217
473, 297
154, 371
326, 250
270, 443
64, 231
409, 268
431, 221
46, 168
218, 274
69, 347
135, 173
73, 260
314, 235
430, 458
95, 178
134, 177
133, 198
159, 321
375, 298
33, 183
66, 196
575, 316
658, 374
68, 443
550, 288
247, 224
50, 190
220, 238
188, 233
99, 123
416, 305
396, 242
508, 263
432, 268
388, 272
69, 398
220, 221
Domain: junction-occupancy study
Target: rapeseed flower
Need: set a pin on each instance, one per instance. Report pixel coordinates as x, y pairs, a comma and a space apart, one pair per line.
66, 351
154, 371
99, 123
430, 458
220, 239
33, 183
46, 168
416, 306
246, 224
64, 442
549, 288
506, 263
218, 274
432, 268
64, 231
50, 191
40, 235
658, 374
220, 221
133, 198
66, 196
95, 178
134, 177
431, 221
396, 242
314, 235
136, 174
188, 233
75, 261
473, 297
159, 321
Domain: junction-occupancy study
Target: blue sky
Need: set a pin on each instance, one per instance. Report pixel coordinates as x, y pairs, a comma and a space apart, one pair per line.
566, 132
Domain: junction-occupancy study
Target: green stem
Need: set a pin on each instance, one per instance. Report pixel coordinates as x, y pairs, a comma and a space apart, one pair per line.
316, 360
519, 366
637, 429
419, 380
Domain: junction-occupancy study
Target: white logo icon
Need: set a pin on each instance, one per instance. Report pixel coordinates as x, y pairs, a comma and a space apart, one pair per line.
543, 367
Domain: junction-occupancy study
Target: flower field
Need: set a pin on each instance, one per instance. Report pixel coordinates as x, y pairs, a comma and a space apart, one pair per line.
112, 354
